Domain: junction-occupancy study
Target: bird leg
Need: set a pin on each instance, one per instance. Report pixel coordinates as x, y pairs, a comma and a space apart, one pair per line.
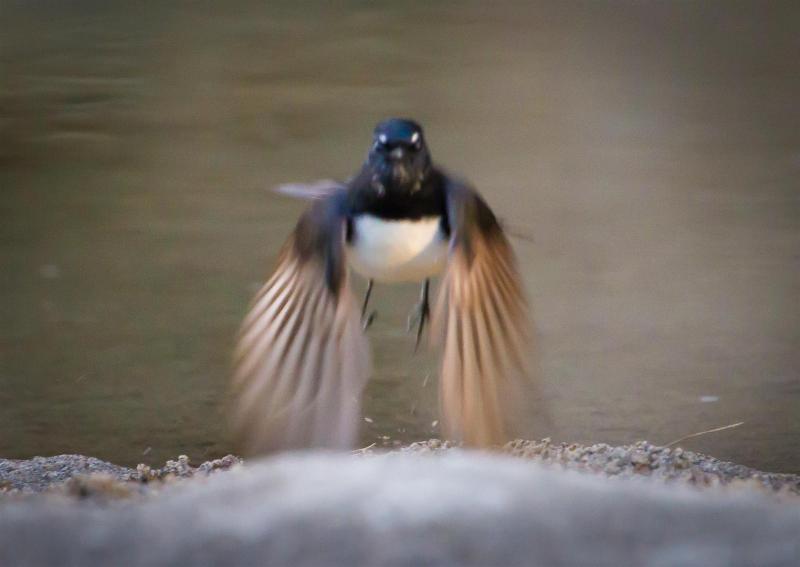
366, 321
421, 313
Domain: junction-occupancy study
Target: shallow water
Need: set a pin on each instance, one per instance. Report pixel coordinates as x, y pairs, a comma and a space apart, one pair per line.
651, 151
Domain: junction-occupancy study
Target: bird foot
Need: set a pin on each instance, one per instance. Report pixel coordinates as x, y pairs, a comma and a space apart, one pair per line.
419, 316
366, 322
414, 318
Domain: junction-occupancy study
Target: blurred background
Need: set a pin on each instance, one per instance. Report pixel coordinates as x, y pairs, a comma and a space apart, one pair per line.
650, 149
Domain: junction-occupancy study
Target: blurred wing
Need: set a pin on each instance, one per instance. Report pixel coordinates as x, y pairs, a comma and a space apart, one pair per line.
315, 190
302, 359
482, 319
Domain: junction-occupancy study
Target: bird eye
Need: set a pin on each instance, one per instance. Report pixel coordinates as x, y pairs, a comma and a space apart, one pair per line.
381, 142
416, 141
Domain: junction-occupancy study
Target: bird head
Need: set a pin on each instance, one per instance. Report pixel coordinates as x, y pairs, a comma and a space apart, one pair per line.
398, 159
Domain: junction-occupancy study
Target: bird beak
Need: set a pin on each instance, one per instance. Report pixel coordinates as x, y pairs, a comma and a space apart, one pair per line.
396, 154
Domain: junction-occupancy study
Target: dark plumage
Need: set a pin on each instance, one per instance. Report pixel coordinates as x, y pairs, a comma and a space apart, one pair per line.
302, 357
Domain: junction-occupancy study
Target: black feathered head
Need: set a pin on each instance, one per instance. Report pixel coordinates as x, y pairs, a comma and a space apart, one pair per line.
399, 158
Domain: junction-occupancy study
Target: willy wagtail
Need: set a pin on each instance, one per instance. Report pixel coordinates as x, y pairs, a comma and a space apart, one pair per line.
302, 359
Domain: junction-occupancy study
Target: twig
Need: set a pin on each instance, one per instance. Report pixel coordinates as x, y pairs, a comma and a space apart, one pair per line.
363, 449
723, 428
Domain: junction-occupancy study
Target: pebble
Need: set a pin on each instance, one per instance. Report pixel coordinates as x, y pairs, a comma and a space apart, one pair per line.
673, 465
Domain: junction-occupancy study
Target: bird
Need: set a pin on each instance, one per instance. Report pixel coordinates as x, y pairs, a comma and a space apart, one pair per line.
302, 357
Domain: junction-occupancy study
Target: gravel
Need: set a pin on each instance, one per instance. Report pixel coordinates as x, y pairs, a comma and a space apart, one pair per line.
80, 476
642, 459
39, 473
83, 476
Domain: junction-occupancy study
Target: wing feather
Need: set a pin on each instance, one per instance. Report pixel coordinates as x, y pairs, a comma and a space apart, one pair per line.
302, 359
315, 190
481, 318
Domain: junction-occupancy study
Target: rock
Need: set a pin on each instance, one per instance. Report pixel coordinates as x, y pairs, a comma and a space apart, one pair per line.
405, 508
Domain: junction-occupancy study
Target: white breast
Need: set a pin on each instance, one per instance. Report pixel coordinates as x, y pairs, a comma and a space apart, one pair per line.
397, 250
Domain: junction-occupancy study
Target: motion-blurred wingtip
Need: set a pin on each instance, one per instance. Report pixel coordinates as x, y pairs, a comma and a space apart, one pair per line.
309, 191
